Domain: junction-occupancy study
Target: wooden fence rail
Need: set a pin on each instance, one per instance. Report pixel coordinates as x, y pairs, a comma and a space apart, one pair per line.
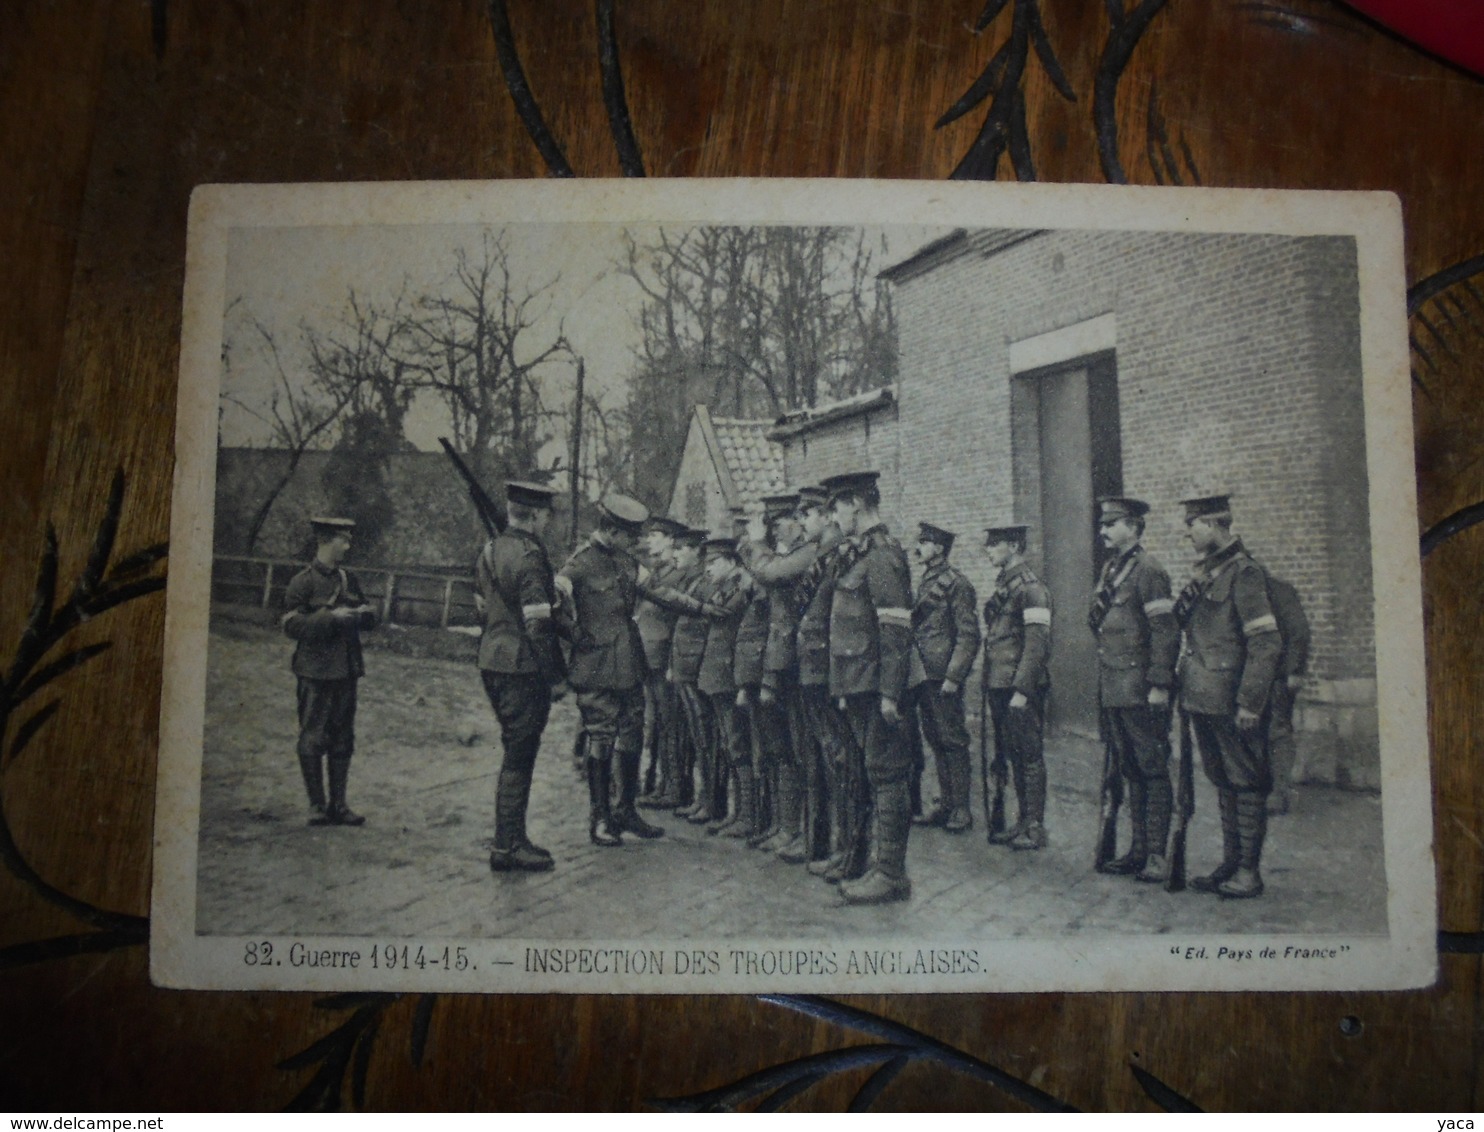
408, 597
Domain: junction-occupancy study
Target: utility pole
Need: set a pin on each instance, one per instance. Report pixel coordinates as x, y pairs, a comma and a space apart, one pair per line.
574, 473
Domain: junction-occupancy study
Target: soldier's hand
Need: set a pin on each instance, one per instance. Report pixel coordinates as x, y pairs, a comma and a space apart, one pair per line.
644, 573
344, 613
1247, 720
479, 604
889, 711
1295, 683
669, 677
840, 703
1018, 700
766, 695
951, 687
741, 697
1159, 697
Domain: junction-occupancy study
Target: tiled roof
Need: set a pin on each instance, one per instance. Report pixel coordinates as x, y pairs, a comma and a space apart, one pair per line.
754, 461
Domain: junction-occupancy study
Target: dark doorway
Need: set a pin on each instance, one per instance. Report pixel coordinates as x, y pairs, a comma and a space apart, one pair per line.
1079, 458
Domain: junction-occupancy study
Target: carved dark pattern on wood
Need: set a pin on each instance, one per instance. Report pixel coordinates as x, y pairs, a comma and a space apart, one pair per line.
1002, 83
1169, 168
629, 157
98, 588
1126, 27
520, 93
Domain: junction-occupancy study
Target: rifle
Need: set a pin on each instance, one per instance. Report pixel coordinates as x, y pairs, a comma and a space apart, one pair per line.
1109, 805
994, 812
491, 514
1184, 807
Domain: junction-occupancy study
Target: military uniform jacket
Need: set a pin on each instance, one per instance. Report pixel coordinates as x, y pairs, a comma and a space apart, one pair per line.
1133, 617
607, 654
871, 618
513, 576
723, 611
688, 643
1232, 643
752, 635
328, 648
778, 574
945, 626
656, 623
1017, 632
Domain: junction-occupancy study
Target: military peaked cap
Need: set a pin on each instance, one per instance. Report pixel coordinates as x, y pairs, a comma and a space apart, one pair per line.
1115, 507
1207, 507
665, 525
776, 506
848, 483
691, 536
1009, 532
813, 496
326, 525
727, 546
629, 514
529, 493
929, 533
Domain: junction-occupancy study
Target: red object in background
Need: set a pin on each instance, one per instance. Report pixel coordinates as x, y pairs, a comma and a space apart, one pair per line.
1453, 29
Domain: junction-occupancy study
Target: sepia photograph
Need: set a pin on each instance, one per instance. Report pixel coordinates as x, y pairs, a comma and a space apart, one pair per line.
810, 586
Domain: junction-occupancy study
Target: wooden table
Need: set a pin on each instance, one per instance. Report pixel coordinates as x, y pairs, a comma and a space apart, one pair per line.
111, 113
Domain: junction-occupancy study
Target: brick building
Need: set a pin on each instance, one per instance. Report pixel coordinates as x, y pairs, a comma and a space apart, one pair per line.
1042, 369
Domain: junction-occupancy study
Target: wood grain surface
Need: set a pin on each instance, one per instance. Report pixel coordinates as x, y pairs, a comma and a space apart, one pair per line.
111, 113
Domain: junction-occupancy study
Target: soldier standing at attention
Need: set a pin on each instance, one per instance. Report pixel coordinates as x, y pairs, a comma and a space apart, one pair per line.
326, 613
656, 625
602, 582
776, 554
1017, 645
1133, 618
870, 647
519, 662
747, 674
1231, 653
724, 608
824, 756
945, 628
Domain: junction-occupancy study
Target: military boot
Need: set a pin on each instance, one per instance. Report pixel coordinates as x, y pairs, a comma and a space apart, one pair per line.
795, 847
744, 818
1231, 846
886, 882
601, 829
1252, 825
1134, 860
960, 818
768, 829
626, 818
337, 812
1011, 832
312, 768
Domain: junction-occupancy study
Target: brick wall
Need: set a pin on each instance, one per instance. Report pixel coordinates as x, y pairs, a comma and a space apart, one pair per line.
1238, 370
854, 444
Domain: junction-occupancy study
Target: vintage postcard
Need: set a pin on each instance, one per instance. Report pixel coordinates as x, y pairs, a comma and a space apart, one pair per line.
793, 586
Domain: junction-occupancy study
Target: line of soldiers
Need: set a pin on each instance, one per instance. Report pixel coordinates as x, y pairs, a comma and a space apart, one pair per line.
780, 678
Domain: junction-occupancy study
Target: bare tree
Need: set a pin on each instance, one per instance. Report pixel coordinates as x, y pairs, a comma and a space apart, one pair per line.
481, 343
299, 415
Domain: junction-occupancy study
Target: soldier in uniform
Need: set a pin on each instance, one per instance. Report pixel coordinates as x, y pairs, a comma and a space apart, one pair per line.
601, 581
1293, 627
870, 647
747, 674
1230, 658
1133, 618
1017, 645
724, 608
656, 625
519, 662
776, 554
945, 629
837, 849
326, 612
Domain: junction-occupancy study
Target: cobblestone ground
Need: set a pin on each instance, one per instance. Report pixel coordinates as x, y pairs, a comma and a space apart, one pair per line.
424, 776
